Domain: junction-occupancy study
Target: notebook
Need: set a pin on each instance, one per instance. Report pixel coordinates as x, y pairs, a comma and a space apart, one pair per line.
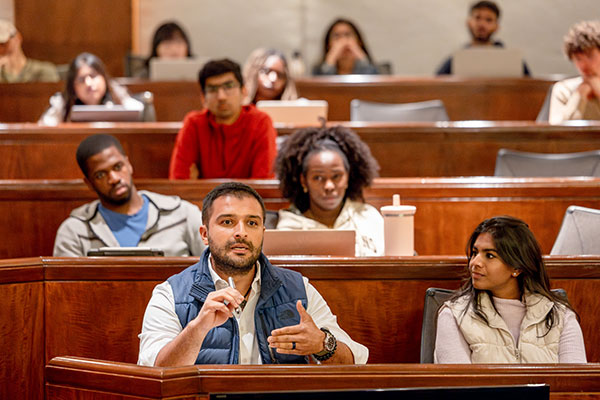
183, 69
112, 113
488, 61
318, 242
301, 112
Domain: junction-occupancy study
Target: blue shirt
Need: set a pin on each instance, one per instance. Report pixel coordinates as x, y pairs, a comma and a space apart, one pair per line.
128, 229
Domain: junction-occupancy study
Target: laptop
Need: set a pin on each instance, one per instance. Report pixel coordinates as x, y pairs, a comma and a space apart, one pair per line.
110, 113
318, 242
489, 62
183, 69
125, 251
300, 112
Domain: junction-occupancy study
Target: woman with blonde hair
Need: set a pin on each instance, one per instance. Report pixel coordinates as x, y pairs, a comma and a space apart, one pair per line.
267, 77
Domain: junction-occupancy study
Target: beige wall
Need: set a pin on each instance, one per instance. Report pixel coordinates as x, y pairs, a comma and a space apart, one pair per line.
415, 35
6, 10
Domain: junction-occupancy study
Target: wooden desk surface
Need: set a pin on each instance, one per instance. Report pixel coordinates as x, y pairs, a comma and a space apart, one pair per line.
71, 377
30, 151
448, 209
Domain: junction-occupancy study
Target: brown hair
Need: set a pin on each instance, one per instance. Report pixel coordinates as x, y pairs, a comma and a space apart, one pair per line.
581, 38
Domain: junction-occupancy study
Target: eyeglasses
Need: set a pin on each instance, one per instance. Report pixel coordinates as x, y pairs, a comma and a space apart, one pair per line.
271, 74
227, 87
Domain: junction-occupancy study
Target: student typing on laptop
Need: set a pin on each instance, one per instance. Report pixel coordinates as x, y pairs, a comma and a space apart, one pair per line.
322, 172
87, 83
482, 23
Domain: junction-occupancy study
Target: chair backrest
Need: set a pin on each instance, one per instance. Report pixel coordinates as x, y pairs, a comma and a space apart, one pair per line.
544, 113
520, 163
149, 112
271, 219
579, 233
424, 111
434, 298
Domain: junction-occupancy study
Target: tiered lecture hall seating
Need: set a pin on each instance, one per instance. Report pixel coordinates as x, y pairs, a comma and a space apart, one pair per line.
92, 308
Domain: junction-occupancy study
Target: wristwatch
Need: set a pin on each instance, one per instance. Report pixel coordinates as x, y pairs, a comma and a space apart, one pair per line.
329, 346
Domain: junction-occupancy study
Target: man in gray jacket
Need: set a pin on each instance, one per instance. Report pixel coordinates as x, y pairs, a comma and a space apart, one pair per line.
122, 216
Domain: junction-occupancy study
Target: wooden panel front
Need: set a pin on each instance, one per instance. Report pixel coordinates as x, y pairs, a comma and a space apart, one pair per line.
353, 288
71, 378
21, 330
59, 30
447, 209
464, 99
93, 307
402, 150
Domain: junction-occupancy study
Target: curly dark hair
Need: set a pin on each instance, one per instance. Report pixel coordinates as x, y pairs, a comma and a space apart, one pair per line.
290, 162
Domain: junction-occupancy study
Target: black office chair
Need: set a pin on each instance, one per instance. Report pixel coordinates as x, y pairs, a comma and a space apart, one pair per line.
434, 298
271, 219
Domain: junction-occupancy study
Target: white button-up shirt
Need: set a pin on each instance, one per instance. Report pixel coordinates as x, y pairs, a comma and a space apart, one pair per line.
161, 324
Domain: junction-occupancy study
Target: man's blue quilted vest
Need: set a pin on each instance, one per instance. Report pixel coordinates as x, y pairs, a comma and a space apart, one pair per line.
276, 308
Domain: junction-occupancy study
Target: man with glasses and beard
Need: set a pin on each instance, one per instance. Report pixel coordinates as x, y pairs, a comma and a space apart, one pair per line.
482, 23
227, 139
234, 307
123, 216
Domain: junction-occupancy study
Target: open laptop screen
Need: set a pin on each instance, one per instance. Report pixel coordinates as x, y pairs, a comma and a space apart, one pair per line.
317, 242
491, 61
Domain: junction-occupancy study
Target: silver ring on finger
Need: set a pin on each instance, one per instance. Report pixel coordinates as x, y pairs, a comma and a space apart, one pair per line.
293, 345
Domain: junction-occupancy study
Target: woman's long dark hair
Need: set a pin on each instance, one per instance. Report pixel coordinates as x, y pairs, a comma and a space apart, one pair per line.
361, 42
518, 248
69, 95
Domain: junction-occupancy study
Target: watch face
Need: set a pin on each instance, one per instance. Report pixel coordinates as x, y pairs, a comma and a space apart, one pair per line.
329, 342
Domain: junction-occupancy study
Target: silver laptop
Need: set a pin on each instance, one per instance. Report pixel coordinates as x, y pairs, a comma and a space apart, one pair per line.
300, 112
185, 69
110, 113
318, 242
489, 62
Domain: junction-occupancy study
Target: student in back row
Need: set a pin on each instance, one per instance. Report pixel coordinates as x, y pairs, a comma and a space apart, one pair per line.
579, 98
123, 216
227, 140
482, 23
14, 65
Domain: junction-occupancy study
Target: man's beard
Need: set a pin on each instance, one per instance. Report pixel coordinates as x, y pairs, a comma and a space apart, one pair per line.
115, 201
231, 265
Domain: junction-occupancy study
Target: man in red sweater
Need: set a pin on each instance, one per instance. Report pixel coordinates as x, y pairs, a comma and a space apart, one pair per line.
226, 140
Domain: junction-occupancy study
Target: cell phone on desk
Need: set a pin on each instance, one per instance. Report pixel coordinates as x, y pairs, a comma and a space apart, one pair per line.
125, 252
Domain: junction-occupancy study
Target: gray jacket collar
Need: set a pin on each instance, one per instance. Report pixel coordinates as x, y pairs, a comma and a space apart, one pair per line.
157, 203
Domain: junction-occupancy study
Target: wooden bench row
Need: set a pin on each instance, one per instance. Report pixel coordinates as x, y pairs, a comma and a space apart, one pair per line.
31, 151
448, 209
465, 99
93, 307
